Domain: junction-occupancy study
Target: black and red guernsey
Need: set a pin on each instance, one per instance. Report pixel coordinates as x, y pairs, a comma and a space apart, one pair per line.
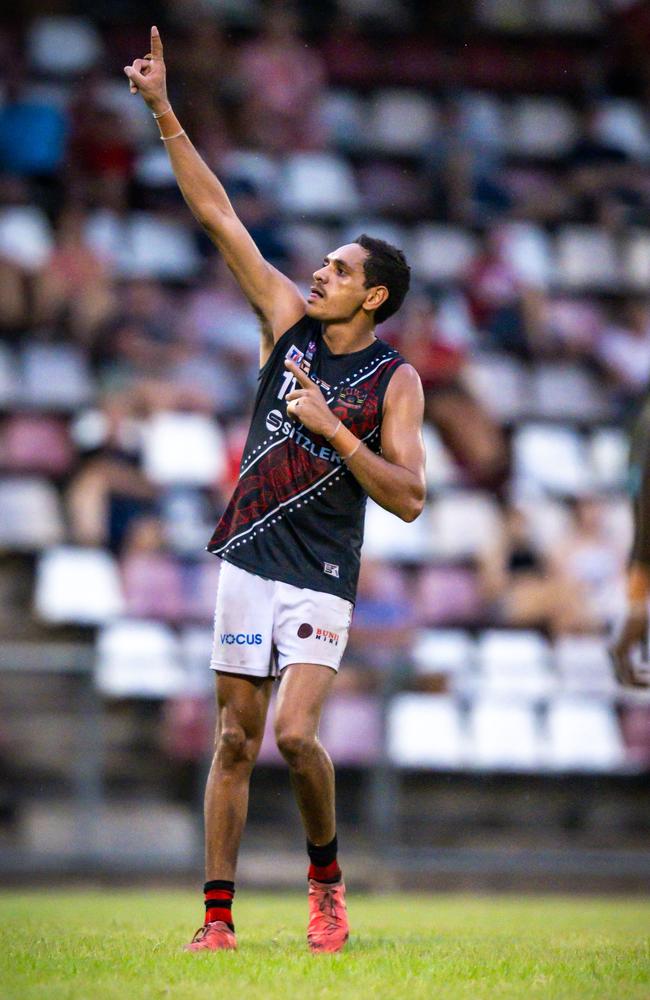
297, 512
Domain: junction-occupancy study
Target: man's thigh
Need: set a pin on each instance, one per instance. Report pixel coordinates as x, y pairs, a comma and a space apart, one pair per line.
304, 688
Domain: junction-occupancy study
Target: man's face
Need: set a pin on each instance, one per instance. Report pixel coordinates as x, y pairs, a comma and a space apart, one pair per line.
338, 292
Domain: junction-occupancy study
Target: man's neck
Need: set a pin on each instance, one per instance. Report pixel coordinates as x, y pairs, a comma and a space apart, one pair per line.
343, 338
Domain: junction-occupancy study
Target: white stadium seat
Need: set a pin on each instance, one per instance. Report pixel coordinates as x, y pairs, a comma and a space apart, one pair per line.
608, 457
443, 651
183, 448
440, 253
461, 522
78, 586
399, 121
425, 730
318, 184
502, 383
387, 537
586, 258
139, 659
583, 665
30, 514
566, 391
504, 735
551, 458
540, 127
583, 736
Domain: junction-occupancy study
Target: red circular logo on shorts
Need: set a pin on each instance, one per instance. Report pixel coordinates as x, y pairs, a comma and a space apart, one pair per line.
305, 630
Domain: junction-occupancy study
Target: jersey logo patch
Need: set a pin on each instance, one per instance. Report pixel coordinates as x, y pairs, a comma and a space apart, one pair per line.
352, 398
295, 354
331, 569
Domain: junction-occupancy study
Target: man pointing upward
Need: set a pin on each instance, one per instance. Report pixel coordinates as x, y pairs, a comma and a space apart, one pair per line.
337, 418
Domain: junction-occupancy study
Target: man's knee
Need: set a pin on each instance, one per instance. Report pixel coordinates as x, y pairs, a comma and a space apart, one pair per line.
233, 748
295, 747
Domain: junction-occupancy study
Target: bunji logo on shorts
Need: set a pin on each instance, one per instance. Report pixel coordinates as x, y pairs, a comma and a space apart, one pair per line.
326, 636
241, 639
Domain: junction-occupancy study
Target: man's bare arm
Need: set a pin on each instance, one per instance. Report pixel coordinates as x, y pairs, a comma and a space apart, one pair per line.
272, 295
395, 479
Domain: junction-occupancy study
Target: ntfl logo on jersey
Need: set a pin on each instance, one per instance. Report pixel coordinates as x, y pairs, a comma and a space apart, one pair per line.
352, 398
295, 354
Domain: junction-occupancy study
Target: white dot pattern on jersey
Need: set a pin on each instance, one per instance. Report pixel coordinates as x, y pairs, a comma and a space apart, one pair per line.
303, 500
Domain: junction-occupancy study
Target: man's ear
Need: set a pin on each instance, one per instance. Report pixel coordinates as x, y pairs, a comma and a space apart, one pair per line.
375, 297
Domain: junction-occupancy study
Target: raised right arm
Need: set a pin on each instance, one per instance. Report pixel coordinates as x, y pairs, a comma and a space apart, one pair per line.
273, 296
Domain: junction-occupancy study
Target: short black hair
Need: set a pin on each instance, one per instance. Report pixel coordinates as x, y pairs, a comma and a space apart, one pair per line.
385, 265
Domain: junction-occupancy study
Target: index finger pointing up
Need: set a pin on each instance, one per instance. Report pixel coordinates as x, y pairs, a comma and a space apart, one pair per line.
156, 43
300, 375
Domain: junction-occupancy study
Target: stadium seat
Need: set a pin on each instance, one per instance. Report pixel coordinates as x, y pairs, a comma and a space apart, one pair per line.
514, 664
621, 124
583, 665
183, 448
483, 119
540, 127
342, 113
608, 456
25, 236
446, 595
584, 735
551, 458
318, 184
636, 260
195, 644
502, 384
387, 537
443, 651
635, 726
54, 377
8, 377
63, 46
160, 247
425, 730
35, 444
503, 735
461, 521
567, 392
152, 586
581, 16
440, 253
139, 659
199, 582
441, 470
30, 515
78, 586
586, 258
549, 520
400, 122
351, 729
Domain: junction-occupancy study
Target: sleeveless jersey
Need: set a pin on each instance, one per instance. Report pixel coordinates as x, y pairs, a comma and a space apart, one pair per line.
297, 512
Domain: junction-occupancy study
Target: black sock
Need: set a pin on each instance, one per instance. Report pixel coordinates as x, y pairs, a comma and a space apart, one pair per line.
324, 867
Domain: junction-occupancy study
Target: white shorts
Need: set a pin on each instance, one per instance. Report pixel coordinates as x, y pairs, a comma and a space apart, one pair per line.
261, 626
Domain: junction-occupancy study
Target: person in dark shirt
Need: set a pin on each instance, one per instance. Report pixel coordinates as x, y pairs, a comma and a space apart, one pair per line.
337, 418
631, 641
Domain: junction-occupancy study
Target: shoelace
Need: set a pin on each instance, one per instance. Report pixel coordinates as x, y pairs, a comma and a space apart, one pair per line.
327, 906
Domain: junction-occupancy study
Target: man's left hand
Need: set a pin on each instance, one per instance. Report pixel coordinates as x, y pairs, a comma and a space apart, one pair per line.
307, 404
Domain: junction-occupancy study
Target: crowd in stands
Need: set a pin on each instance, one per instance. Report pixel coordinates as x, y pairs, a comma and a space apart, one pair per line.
128, 357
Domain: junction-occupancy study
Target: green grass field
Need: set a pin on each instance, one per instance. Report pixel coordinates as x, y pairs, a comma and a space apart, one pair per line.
127, 945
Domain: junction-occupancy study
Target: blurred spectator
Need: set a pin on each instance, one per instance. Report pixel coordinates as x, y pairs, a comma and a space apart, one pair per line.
75, 290
382, 630
623, 349
436, 337
506, 287
281, 79
33, 133
521, 587
591, 563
